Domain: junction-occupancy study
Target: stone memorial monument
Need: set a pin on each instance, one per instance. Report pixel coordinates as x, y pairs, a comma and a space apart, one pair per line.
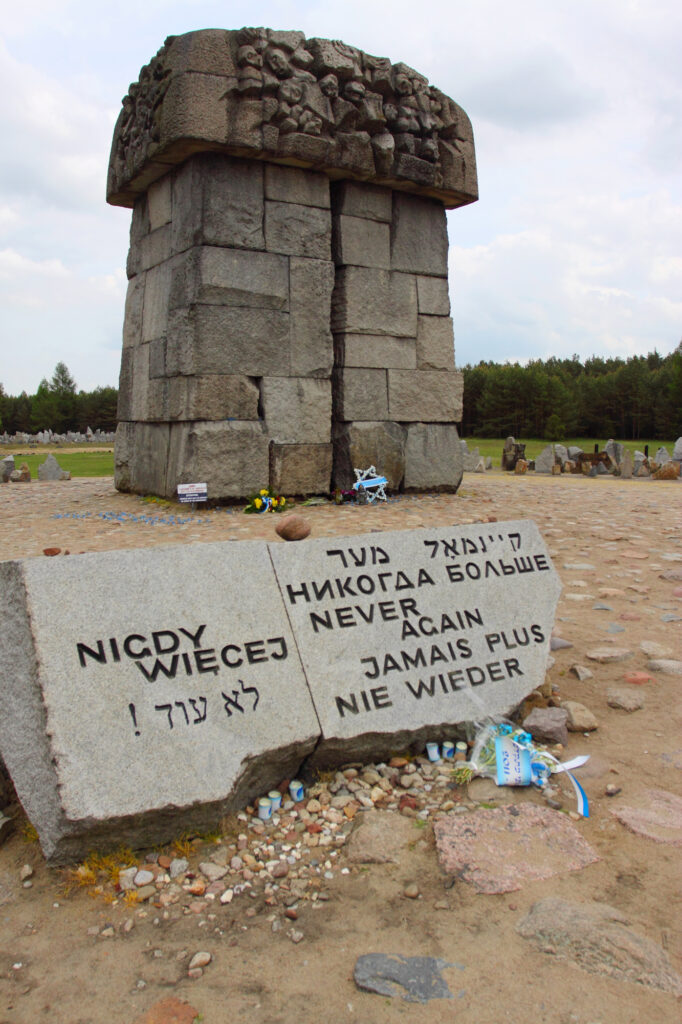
287, 315
149, 691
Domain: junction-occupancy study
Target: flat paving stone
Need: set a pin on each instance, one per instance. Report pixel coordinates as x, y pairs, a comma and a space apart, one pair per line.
416, 978
498, 850
659, 819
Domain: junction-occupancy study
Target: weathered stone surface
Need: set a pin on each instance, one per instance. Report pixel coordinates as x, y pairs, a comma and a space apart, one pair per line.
498, 849
625, 699
293, 185
668, 666
435, 343
419, 236
300, 468
360, 394
218, 200
580, 718
210, 339
297, 230
677, 450
368, 301
433, 296
626, 465
132, 323
230, 456
159, 203
361, 242
356, 199
668, 471
310, 292
661, 456
548, 725
51, 470
6, 468
359, 445
231, 244
76, 708
251, 94
615, 451
376, 351
212, 397
544, 462
229, 277
596, 938
433, 457
656, 814
381, 838
429, 395
141, 456
297, 410
416, 978
359, 632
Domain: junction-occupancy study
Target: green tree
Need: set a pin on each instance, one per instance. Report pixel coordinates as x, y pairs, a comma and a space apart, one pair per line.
63, 388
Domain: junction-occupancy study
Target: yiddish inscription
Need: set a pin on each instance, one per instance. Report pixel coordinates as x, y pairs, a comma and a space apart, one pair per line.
426, 627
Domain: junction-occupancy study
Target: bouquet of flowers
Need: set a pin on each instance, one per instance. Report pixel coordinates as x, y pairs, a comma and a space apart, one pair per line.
266, 501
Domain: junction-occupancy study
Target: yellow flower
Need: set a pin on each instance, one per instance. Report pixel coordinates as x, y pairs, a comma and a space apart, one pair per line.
263, 492
274, 502
282, 501
258, 502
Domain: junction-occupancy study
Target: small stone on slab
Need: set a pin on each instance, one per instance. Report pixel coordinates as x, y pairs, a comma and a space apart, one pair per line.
581, 672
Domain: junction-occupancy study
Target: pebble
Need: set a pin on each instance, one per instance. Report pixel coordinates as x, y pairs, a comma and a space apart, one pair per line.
26, 872
143, 878
411, 891
581, 672
296, 936
200, 959
612, 789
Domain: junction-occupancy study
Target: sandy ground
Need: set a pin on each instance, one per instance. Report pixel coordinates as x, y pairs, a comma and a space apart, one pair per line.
630, 533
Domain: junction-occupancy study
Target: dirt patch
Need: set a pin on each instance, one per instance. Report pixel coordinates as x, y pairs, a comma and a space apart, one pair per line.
73, 958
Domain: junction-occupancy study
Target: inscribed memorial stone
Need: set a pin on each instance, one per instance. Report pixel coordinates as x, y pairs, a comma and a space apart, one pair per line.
403, 633
145, 692
149, 691
288, 236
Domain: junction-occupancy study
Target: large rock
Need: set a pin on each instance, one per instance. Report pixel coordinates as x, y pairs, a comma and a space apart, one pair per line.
127, 713
596, 937
544, 462
677, 450
51, 470
6, 468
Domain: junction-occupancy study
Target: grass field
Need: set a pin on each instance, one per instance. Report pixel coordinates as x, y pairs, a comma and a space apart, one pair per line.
77, 461
534, 445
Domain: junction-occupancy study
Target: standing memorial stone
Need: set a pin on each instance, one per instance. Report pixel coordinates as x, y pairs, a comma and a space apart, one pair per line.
403, 634
146, 692
287, 315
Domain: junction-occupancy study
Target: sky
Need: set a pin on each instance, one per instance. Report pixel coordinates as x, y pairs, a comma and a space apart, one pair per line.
574, 247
